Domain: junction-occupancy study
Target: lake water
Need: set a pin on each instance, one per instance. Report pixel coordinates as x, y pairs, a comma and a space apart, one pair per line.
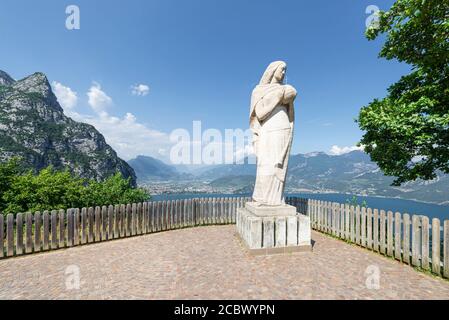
393, 204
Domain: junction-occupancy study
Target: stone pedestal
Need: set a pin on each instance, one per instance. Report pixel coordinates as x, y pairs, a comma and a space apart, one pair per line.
273, 230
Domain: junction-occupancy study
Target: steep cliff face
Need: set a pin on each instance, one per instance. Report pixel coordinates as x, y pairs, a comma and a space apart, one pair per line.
34, 127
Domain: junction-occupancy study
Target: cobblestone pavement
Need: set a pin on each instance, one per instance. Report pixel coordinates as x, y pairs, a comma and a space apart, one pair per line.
210, 263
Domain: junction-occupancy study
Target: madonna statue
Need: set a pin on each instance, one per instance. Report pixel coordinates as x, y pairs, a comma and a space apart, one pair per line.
271, 121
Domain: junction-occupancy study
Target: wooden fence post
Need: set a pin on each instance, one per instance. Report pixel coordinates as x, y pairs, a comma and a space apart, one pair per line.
446, 249
176, 214
91, 224
319, 215
406, 239
222, 209
133, 219
330, 218
144, 217
61, 220
152, 216
169, 210
425, 243
148, 219
382, 232
54, 230
347, 222
369, 228
104, 223
140, 215
70, 230
323, 216
390, 239
10, 235
415, 241
97, 224
326, 216
436, 243
183, 210
29, 232
76, 226
84, 226
357, 225
397, 236
353, 225
337, 219
116, 221
376, 230
186, 214
37, 231
363, 226
313, 217
110, 223
46, 235
342, 221
129, 220
19, 234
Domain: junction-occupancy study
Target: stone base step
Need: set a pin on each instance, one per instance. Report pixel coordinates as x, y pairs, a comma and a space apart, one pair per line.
274, 233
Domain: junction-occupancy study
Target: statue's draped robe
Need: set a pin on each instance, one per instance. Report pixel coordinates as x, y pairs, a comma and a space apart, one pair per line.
272, 138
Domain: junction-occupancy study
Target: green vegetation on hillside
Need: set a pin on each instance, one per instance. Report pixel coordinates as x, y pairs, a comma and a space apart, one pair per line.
407, 132
51, 189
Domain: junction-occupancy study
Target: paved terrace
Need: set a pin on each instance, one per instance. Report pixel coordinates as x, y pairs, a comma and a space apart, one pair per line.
210, 263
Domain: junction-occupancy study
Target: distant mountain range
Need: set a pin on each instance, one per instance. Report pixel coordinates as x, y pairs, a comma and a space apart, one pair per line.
352, 173
148, 169
33, 126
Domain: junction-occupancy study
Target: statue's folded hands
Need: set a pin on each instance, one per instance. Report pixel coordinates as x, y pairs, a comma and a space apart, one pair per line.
265, 106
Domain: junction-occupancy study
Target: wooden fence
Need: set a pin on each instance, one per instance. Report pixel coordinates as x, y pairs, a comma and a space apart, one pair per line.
410, 239
27, 233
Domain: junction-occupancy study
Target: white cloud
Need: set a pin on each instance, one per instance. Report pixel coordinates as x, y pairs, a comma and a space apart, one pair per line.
140, 90
98, 99
67, 98
337, 151
127, 136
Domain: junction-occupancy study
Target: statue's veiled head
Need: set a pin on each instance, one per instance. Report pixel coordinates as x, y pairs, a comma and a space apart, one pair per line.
275, 73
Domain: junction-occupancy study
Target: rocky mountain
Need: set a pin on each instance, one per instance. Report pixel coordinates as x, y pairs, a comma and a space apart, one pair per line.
149, 169
34, 127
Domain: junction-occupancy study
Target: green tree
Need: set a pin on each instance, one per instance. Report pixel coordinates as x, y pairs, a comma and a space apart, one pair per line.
47, 190
8, 171
407, 132
53, 190
114, 190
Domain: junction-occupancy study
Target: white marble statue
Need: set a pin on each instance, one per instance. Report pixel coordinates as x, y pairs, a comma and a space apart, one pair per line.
271, 121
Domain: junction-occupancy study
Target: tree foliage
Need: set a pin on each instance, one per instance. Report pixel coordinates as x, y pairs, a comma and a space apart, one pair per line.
407, 132
52, 190
8, 171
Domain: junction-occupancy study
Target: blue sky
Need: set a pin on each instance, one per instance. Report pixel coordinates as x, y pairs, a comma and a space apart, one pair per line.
200, 60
